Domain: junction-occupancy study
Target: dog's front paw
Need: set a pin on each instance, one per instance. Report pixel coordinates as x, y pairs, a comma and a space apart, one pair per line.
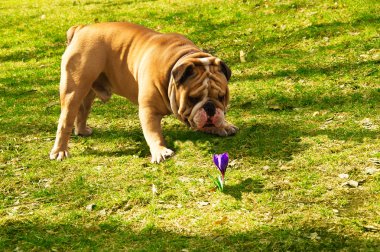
226, 129
59, 155
87, 131
230, 129
160, 153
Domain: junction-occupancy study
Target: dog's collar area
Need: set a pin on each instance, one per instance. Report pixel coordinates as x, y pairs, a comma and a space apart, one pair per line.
171, 88
186, 54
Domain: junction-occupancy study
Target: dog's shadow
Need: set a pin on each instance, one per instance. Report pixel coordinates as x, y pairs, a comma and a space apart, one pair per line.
255, 185
119, 142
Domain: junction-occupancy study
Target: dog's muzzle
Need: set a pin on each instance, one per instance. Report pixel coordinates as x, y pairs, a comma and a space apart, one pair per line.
208, 116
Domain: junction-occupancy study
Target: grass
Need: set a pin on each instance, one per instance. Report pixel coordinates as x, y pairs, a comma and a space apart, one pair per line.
307, 102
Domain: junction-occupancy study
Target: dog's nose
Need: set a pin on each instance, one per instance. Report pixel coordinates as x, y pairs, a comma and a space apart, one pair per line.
210, 109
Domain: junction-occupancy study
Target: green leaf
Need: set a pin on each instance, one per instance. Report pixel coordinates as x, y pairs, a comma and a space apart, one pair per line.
220, 183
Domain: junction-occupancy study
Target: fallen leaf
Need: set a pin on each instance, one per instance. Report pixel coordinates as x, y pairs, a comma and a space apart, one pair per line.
370, 170
354, 33
371, 228
184, 179
268, 216
314, 236
154, 189
375, 161
366, 123
218, 238
285, 168
376, 56
311, 13
274, 105
51, 232
221, 221
233, 163
242, 56
316, 113
351, 183
203, 203
265, 168
168, 206
90, 207
343, 176
326, 124
92, 227
102, 212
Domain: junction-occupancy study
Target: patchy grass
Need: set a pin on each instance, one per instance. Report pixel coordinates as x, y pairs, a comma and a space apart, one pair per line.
307, 101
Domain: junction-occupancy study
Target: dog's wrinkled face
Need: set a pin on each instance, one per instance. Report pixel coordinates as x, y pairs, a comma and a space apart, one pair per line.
199, 93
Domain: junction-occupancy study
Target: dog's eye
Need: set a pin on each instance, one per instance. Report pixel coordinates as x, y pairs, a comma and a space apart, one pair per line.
221, 98
194, 100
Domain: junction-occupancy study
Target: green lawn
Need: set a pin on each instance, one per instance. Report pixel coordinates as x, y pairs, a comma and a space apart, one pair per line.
306, 100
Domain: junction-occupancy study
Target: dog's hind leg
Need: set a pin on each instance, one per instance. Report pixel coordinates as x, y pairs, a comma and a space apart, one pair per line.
71, 100
77, 76
80, 126
101, 88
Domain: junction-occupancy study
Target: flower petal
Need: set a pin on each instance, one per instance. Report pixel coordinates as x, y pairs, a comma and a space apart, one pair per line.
216, 160
221, 161
224, 161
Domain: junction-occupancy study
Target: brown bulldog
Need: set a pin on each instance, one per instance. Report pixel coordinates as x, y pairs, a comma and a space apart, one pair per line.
161, 73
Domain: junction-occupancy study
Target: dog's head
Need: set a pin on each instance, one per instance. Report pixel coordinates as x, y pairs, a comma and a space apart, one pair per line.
198, 91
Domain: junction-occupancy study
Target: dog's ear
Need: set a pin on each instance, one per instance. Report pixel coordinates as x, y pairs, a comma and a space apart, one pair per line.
226, 70
182, 72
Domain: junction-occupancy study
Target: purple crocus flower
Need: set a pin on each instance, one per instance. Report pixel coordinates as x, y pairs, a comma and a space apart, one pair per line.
221, 161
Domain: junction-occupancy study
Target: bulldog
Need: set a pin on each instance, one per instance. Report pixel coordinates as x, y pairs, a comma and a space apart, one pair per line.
162, 73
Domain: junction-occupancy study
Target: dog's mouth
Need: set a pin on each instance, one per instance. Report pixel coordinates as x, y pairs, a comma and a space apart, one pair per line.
204, 118
208, 124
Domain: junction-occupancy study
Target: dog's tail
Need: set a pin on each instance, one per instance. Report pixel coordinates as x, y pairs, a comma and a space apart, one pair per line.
71, 32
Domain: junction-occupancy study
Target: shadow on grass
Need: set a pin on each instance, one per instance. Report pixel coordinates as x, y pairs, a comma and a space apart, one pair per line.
275, 141
307, 71
35, 53
109, 4
129, 142
330, 29
115, 235
248, 185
